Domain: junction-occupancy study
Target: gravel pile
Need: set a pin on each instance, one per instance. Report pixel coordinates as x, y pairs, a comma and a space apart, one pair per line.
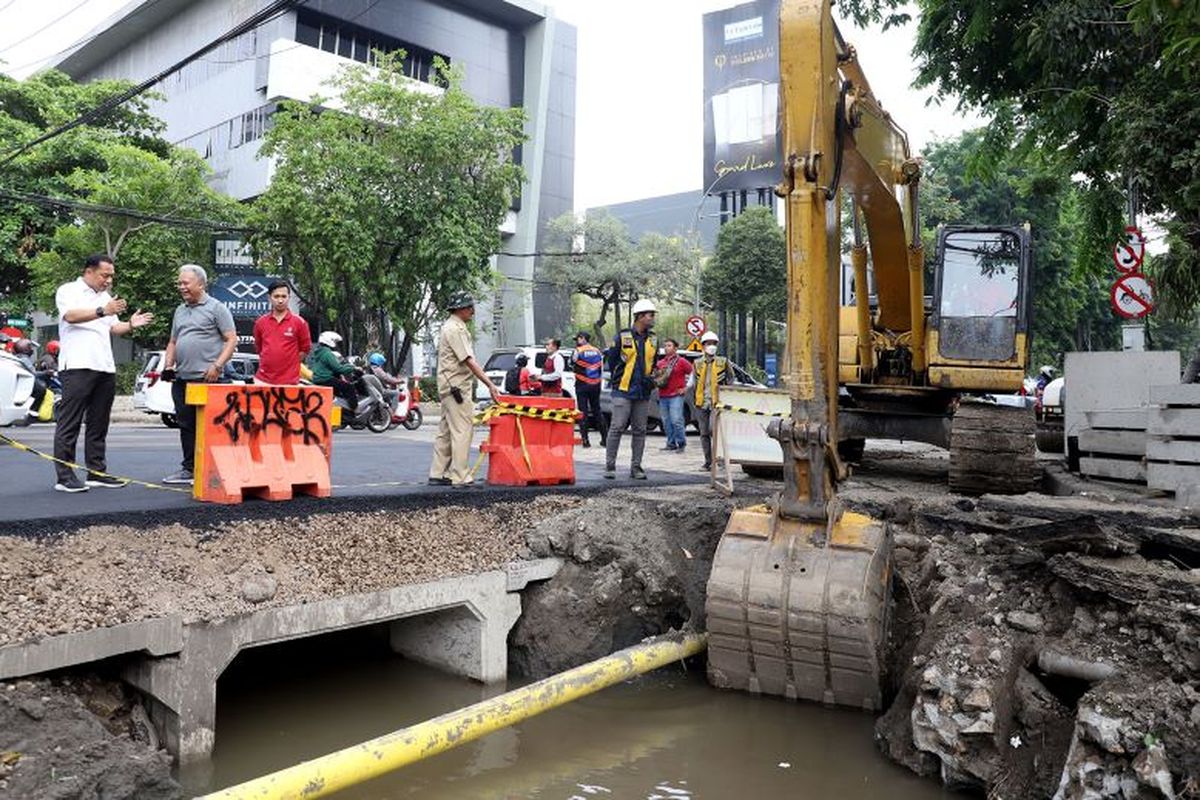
106, 575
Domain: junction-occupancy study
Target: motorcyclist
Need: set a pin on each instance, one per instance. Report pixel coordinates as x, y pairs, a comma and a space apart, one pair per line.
24, 350
330, 369
48, 363
1045, 375
391, 383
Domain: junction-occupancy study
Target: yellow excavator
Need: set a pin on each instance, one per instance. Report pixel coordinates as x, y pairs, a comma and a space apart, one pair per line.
798, 596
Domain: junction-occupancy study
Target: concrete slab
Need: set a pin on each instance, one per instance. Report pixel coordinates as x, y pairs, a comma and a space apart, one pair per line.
1178, 478
1160, 448
1179, 394
1132, 420
1111, 381
1174, 422
155, 637
1113, 469
1121, 443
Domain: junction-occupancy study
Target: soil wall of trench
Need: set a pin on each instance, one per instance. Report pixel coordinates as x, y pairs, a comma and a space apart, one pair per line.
1041, 646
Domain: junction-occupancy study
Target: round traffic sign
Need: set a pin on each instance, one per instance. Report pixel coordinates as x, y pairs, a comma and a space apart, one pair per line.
1133, 296
696, 326
1129, 253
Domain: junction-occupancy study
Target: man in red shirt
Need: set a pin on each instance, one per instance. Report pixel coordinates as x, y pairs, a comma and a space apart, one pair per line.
674, 370
282, 340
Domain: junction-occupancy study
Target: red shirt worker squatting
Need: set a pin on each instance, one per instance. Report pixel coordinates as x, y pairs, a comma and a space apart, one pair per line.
282, 340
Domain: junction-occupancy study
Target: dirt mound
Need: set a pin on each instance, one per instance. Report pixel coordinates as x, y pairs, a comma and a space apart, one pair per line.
636, 564
78, 740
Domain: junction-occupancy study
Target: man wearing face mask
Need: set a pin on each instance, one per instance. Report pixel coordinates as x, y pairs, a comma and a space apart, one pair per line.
712, 371
630, 364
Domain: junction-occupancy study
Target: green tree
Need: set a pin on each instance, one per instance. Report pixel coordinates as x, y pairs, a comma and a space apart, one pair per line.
147, 254
748, 270
594, 256
1103, 88
28, 109
391, 203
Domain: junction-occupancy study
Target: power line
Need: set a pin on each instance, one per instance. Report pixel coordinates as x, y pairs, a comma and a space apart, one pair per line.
52, 22
196, 223
269, 13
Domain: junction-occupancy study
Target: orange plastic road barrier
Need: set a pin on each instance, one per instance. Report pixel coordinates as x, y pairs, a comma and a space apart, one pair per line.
262, 441
531, 440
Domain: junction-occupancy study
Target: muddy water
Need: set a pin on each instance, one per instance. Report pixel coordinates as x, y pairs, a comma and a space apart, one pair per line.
666, 736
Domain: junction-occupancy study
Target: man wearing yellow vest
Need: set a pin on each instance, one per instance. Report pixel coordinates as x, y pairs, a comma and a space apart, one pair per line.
630, 364
712, 371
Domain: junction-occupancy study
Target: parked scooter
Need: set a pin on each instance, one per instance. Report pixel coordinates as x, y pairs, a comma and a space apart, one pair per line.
408, 410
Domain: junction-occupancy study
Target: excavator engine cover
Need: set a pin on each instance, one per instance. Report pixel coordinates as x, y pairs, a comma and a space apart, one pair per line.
791, 616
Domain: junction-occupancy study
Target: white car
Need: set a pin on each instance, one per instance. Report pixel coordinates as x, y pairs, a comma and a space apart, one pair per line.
16, 389
152, 395
504, 359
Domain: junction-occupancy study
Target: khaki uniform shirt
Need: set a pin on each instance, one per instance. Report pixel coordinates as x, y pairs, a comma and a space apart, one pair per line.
454, 348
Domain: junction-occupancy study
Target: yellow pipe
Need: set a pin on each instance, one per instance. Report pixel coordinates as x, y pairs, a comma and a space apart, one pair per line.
330, 773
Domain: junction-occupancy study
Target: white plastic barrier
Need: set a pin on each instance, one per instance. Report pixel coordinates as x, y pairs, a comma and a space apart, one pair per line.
741, 427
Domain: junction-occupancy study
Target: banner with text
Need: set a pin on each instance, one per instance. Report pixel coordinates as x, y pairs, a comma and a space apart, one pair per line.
741, 97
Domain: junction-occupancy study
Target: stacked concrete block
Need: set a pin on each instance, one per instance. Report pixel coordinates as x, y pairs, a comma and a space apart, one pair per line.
1173, 442
1113, 445
1106, 401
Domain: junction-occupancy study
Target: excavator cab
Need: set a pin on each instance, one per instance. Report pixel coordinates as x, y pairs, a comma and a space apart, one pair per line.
981, 301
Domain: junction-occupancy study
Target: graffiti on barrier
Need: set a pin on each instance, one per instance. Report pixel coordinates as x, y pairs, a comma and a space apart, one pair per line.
294, 410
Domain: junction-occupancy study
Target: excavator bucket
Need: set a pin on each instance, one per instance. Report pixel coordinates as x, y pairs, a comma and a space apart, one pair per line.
800, 611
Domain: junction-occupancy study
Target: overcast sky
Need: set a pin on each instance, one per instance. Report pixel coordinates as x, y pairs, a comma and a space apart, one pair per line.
638, 126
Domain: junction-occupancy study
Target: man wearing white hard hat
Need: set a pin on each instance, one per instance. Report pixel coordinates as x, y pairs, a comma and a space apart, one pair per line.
631, 363
712, 371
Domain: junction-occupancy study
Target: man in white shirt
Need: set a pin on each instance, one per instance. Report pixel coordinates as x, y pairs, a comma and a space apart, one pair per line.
87, 321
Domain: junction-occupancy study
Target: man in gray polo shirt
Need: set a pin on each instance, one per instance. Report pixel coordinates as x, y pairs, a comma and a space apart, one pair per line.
203, 338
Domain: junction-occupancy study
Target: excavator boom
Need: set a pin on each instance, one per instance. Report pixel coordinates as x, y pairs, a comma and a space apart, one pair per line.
798, 595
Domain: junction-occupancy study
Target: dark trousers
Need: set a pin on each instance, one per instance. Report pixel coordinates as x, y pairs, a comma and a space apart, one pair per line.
588, 399
87, 399
185, 415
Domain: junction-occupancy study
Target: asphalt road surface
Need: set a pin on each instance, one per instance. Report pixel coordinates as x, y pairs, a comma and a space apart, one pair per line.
365, 464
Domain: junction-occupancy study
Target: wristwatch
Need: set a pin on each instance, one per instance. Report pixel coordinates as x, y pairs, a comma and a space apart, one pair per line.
100, 312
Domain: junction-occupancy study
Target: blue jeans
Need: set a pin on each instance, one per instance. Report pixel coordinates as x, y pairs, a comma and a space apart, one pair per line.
671, 410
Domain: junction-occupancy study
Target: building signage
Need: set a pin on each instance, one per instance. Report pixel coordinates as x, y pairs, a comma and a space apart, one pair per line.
741, 97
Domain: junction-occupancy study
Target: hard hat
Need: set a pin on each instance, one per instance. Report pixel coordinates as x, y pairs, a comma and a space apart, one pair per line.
459, 300
709, 336
52, 347
330, 339
376, 360
644, 307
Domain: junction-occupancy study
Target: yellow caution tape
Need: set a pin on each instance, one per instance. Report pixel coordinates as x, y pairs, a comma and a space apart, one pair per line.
752, 412
570, 415
73, 465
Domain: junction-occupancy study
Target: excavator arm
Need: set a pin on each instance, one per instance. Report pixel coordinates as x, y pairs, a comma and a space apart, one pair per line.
798, 595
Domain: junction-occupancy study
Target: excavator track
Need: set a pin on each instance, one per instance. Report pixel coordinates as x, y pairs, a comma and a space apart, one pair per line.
992, 450
787, 616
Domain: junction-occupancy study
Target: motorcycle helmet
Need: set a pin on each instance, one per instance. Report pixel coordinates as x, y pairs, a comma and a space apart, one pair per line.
23, 347
376, 360
52, 347
331, 339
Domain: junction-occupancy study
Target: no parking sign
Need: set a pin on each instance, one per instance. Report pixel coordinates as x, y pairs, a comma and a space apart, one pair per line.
1133, 296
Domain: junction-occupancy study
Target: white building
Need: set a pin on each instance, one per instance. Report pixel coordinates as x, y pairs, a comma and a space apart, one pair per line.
514, 53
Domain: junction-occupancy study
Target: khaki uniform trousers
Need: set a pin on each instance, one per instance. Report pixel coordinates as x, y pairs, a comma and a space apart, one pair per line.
452, 446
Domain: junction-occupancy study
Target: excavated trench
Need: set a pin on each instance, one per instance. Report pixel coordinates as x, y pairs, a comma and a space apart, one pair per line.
1040, 647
